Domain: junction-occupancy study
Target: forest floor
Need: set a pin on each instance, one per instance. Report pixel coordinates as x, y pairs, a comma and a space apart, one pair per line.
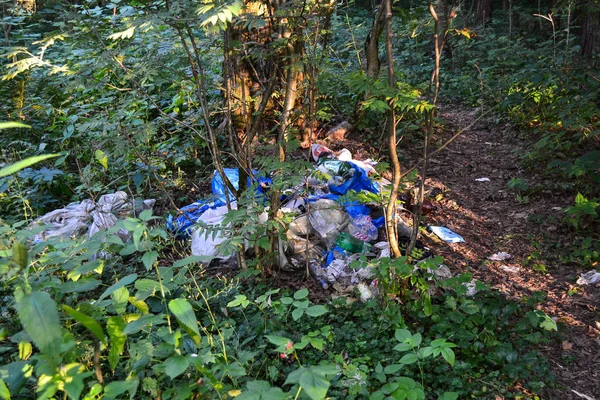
489, 217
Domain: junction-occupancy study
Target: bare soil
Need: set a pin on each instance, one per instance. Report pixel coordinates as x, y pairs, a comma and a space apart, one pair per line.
489, 217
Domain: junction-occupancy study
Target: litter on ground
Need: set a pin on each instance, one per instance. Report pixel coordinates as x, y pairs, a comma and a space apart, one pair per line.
446, 234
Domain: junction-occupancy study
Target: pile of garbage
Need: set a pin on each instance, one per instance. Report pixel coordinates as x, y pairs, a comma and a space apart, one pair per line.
89, 216
329, 230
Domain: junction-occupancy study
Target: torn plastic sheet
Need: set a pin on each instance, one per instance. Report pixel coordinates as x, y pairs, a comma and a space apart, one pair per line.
589, 278
75, 218
191, 213
500, 256
233, 174
446, 234
206, 239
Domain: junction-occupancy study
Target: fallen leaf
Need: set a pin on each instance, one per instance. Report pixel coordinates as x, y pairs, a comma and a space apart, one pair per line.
566, 345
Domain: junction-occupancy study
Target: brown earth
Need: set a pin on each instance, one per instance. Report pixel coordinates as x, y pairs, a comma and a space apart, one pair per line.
491, 219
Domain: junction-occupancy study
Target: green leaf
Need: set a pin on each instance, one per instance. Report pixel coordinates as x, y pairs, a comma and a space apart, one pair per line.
114, 389
314, 380
402, 334
449, 396
316, 311
140, 323
123, 282
82, 285
261, 390
9, 125
315, 385
4, 393
16, 167
297, 313
115, 327
191, 260
301, 294
239, 300
149, 258
184, 313
278, 340
87, 321
392, 369
102, 158
39, 315
176, 365
448, 355
409, 358
402, 347
120, 298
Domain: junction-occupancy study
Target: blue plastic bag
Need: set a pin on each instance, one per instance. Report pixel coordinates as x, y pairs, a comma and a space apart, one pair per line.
191, 213
233, 174
358, 182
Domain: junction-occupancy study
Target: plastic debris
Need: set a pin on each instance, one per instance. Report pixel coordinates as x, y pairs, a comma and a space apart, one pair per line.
328, 219
318, 151
206, 239
363, 229
471, 288
446, 234
482, 180
589, 278
500, 256
583, 396
509, 269
73, 220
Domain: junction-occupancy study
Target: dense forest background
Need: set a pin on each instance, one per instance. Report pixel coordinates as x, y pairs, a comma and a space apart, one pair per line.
156, 99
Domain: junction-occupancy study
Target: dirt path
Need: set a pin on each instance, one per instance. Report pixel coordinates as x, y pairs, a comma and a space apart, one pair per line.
489, 217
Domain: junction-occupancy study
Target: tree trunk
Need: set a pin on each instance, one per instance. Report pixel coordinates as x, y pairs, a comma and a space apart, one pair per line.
484, 12
589, 14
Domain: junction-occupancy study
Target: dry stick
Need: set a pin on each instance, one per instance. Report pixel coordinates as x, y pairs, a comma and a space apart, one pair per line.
391, 128
428, 133
202, 96
198, 73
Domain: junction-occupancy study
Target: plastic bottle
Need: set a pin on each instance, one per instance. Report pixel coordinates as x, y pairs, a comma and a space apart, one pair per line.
352, 244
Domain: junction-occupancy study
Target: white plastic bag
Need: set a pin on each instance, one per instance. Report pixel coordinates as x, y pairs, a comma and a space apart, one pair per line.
205, 241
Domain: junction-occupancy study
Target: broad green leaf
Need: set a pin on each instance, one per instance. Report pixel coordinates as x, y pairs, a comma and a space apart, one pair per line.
39, 315
449, 396
149, 258
392, 369
184, 313
278, 340
25, 350
102, 158
176, 365
316, 311
10, 125
140, 305
120, 298
191, 260
261, 390
448, 355
409, 358
297, 313
28, 162
139, 324
314, 383
15, 374
402, 334
4, 392
301, 294
239, 300
87, 321
82, 285
114, 389
115, 327
123, 282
